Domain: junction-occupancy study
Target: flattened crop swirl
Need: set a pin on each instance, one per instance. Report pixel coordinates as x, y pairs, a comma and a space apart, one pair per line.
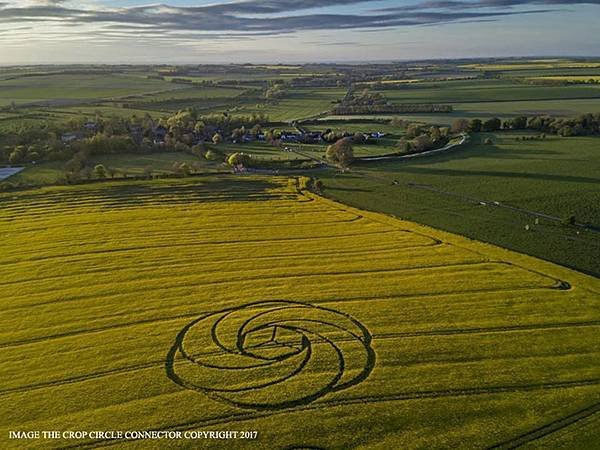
271, 355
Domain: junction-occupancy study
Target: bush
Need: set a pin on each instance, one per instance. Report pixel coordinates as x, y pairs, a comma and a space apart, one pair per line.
239, 159
304, 183
100, 171
213, 155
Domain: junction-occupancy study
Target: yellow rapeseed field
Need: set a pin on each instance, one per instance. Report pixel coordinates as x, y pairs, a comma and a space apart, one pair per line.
240, 304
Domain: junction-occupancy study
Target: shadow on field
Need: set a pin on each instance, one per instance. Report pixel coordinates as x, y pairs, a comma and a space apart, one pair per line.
125, 194
346, 189
216, 190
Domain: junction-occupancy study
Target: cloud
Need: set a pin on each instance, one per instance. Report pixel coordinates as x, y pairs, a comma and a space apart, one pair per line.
483, 4
235, 20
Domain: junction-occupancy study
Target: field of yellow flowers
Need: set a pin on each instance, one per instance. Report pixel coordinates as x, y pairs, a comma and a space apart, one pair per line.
244, 305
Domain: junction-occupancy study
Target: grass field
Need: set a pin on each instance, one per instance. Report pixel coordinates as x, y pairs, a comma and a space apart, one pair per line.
47, 173
63, 87
296, 104
260, 151
556, 177
469, 91
484, 110
353, 127
540, 65
331, 327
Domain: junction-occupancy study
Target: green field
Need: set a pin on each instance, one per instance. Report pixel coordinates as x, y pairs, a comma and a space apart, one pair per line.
297, 104
260, 151
130, 164
353, 127
241, 304
484, 110
470, 91
60, 88
545, 64
556, 177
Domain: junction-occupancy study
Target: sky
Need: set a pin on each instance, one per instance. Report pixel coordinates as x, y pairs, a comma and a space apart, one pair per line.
292, 31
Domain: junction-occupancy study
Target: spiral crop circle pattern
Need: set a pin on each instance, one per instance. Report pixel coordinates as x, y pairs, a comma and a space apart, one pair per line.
271, 355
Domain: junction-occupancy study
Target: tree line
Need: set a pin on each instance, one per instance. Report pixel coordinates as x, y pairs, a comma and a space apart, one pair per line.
48, 141
582, 125
375, 103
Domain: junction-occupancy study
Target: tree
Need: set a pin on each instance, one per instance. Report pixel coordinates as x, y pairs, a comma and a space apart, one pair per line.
460, 126
237, 134
519, 123
100, 171
199, 127
422, 143
359, 138
274, 92
398, 122
475, 125
341, 152
212, 155
198, 150
217, 139
403, 146
239, 159
148, 172
184, 169
492, 124
413, 130
566, 131
435, 134
256, 130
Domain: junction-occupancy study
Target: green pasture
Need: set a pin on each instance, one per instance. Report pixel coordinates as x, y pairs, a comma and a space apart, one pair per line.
46, 173
295, 105
63, 87
357, 126
485, 110
456, 191
470, 91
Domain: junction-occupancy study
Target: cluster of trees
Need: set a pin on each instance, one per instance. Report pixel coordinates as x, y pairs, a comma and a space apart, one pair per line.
583, 125
376, 103
182, 131
363, 103
319, 81
275, 91
563, 81
189, 123
420, 138
81, 168
476, 125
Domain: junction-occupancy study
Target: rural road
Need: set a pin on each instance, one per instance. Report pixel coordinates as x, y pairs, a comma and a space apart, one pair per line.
447, 147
